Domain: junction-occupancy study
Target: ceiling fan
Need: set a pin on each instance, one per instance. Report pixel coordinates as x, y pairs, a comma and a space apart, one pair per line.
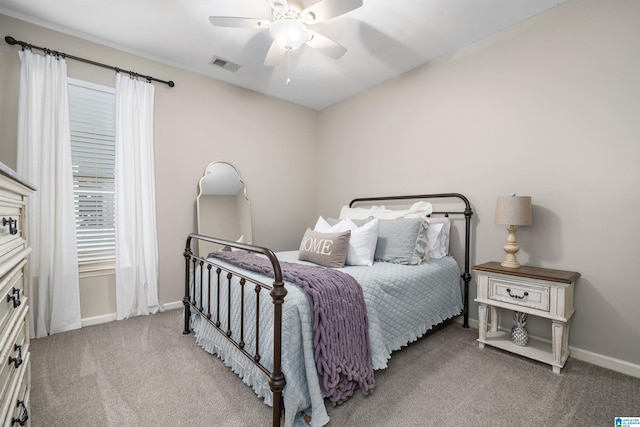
289, 26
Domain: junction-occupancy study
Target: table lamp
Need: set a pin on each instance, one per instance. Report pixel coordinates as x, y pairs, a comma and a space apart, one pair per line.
512, 211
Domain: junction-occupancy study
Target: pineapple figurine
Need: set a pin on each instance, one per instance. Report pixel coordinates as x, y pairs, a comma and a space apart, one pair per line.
519, 335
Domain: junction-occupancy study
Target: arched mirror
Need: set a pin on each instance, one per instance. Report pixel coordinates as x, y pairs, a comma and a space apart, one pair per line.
223, 207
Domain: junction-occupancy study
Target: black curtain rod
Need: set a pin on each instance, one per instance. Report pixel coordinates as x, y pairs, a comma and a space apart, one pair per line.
10, 40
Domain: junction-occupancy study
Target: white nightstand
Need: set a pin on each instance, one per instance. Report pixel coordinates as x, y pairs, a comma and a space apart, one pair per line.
536, 291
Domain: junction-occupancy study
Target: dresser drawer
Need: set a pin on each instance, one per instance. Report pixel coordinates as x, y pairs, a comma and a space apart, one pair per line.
11, 293
8, 251
519, 293
19, 407
10, 221
13, 351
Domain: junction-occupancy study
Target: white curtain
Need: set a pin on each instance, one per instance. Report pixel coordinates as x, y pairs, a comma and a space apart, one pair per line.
44, 158
136, 236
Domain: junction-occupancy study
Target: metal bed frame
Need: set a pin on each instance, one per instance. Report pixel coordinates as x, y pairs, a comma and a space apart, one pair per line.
277, 291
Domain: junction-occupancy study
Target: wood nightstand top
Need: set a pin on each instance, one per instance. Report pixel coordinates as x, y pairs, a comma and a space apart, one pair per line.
548, 274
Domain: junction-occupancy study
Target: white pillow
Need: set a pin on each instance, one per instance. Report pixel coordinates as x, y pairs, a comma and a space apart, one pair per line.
358, 213
322, 226
240, 240
438, 237
420, 209
417, 210
434, 231
362, 244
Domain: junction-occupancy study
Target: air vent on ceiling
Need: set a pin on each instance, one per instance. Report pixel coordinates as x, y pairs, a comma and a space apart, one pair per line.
223, 63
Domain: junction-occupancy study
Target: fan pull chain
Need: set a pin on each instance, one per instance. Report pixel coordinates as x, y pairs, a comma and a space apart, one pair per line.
288, 66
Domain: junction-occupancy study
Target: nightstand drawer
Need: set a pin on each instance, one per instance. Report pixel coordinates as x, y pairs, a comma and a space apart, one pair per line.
519, 293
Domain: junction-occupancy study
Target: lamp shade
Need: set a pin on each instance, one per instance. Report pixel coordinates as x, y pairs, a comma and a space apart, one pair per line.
289, 33
513, 210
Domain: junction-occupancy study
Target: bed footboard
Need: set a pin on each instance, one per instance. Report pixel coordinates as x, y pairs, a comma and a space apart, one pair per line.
226, 327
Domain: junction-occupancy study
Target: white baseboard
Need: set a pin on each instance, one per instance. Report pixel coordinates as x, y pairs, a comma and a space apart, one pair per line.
105, 318
597, 359
96, 320
612, 363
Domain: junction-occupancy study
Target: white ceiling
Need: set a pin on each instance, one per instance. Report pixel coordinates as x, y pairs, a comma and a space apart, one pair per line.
384, 38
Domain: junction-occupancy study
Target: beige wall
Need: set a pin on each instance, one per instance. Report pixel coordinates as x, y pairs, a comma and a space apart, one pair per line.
198, 121
548, 108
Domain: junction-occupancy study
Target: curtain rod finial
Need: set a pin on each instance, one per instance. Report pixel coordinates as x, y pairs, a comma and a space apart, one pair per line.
171, 83
10, 40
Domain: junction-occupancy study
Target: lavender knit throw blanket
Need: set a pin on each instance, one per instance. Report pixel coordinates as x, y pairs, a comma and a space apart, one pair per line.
340, 327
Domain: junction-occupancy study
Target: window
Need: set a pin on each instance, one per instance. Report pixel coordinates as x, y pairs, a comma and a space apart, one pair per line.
93, 150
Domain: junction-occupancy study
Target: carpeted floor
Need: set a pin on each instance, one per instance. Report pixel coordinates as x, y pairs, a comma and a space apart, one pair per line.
145, 372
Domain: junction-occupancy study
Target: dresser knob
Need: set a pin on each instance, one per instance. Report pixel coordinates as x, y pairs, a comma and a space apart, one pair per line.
16, 360
13, 224
14, 296
25, 414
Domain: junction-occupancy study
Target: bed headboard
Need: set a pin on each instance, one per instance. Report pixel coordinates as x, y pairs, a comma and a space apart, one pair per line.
457, 209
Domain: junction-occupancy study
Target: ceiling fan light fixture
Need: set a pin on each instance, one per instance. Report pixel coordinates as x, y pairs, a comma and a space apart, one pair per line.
289, 33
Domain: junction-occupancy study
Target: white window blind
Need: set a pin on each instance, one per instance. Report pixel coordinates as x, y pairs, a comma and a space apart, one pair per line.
93, 150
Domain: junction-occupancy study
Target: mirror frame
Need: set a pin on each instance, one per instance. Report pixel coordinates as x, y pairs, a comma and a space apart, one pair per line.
248, 233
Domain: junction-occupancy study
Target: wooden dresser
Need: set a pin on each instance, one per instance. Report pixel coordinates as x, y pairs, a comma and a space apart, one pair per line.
15, 372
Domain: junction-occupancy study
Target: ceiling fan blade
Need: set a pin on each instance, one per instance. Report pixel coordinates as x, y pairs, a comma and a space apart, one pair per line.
274, 55
326, 45
327, 9
238, 22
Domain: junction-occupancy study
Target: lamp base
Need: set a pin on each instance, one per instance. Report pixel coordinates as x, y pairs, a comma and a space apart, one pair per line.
511, 249
509, 263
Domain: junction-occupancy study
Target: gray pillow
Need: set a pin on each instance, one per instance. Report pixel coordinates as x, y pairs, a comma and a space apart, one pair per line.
402, 240
326, 249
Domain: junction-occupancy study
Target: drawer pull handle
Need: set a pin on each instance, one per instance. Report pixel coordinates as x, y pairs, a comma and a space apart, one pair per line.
16, 360
13, 224
526, 294
15, 298
24, 417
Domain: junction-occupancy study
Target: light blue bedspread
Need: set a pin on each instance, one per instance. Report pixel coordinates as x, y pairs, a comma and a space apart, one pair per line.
403, 302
